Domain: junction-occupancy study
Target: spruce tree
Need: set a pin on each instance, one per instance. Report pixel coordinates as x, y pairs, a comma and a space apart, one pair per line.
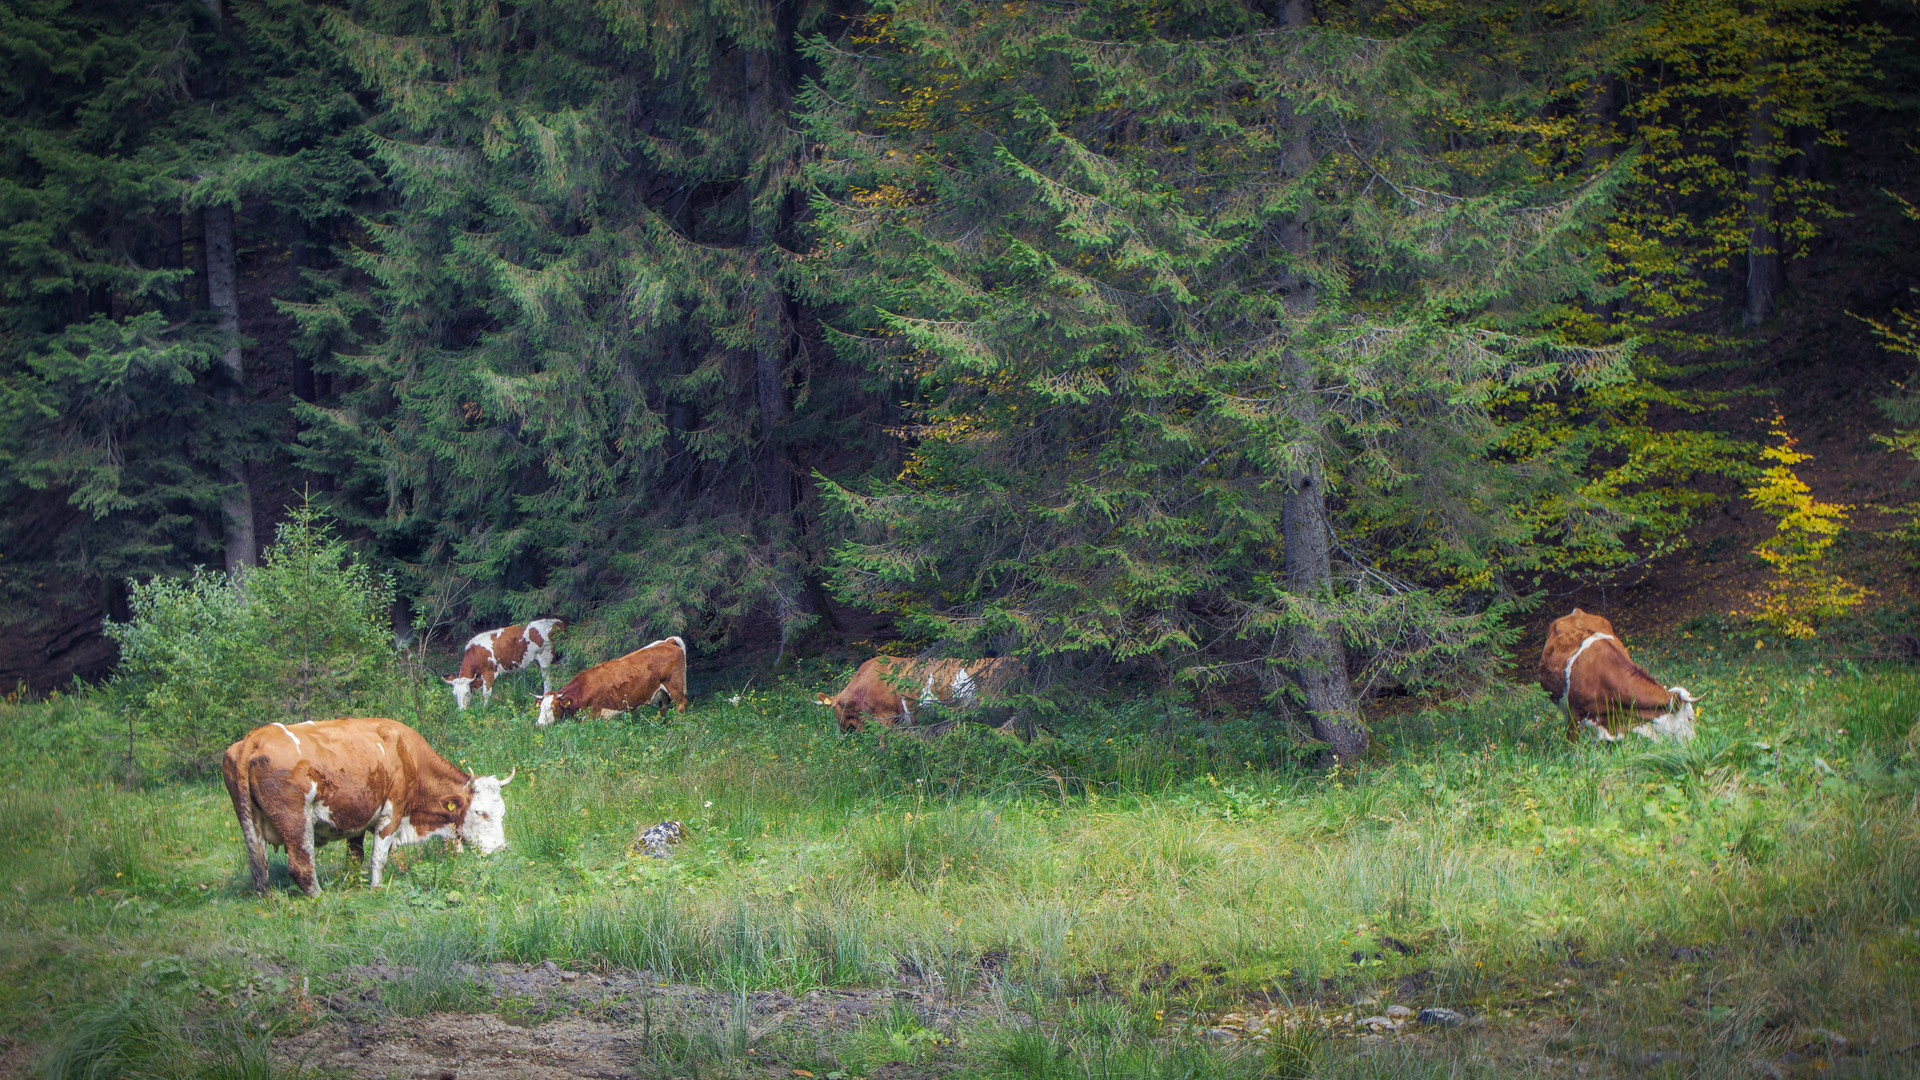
590, 388
105, 466
148, 147
1206, 314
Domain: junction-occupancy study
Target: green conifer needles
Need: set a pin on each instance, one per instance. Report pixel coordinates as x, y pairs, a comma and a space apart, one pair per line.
1144, 278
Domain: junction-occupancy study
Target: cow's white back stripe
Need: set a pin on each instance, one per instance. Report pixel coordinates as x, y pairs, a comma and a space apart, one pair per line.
290, 735
1567, 693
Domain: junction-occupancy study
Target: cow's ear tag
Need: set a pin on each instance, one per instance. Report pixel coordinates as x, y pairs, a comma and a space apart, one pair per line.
453, 804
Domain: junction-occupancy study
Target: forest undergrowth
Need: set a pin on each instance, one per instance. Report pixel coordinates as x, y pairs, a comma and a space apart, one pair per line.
1748, 902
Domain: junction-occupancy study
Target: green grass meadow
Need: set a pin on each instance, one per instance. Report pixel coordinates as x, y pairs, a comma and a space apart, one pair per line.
1746, 905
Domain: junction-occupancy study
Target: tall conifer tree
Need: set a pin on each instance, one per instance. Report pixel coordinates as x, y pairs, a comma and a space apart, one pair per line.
1207, 317
590, 388
105, 466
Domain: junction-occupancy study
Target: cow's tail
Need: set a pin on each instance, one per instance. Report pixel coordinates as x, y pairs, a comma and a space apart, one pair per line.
240, 789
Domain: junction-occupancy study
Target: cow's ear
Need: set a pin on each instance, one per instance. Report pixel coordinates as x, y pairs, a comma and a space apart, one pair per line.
453, 806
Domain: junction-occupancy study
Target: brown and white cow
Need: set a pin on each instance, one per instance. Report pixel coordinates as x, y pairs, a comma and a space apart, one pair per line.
1590, 676
492, 653
876, 688
621, 685
301, 786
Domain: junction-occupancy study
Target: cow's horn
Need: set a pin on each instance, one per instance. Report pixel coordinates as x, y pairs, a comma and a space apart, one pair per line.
509, 778
448, 679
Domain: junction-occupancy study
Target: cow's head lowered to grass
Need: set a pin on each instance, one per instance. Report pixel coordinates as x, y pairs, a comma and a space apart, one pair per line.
554, 706
1676, 724
462, 688
485, 824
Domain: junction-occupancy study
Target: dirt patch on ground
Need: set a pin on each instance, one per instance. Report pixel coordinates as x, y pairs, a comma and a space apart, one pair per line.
467, 1044
551, 1023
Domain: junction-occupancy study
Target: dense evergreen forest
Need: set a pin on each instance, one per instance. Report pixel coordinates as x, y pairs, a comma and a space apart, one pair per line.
1285, 345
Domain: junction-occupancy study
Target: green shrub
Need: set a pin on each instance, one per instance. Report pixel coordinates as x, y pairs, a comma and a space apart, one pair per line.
302, 637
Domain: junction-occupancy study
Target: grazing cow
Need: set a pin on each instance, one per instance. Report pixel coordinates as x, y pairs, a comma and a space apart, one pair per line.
299, 787
492, 653
1590, 676
875, 689
618, 686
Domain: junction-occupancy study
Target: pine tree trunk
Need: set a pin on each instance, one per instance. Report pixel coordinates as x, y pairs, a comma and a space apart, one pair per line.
766, 314
1318, 653
1763, 243
298, 251
770, 378
1319, 656
223, 297
1598, 113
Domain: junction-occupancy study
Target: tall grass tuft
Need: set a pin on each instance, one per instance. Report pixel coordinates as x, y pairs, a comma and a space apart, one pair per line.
434, 974
919, 847
139, 1035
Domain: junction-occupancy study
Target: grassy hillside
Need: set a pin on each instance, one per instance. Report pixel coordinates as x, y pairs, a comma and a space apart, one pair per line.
1751, 901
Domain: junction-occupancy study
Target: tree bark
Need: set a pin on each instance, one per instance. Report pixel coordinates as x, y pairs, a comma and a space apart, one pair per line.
223, 297
770, 379
765, 309
298, 254
1598, 112
1763, 242
1319, 656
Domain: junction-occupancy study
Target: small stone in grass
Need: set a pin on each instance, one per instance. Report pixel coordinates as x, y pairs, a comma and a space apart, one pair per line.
1441, 1017
655, 839
1399, 1012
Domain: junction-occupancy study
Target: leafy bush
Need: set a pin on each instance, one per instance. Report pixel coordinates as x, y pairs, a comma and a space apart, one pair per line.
302, 637
1805, 590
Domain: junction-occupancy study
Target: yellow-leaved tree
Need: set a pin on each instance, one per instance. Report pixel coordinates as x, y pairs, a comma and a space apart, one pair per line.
1805, 589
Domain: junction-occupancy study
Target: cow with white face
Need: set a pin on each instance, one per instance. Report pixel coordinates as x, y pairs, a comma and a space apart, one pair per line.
1603, 692
492, 653
302, 786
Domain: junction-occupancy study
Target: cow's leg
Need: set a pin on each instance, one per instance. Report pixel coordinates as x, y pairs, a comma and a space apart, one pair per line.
382, 845
295, 826
288, 824
545, 656
300, 866
256, 854
240, 790
357, 847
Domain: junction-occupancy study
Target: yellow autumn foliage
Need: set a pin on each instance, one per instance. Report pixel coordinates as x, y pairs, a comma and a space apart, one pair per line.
1805, 589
